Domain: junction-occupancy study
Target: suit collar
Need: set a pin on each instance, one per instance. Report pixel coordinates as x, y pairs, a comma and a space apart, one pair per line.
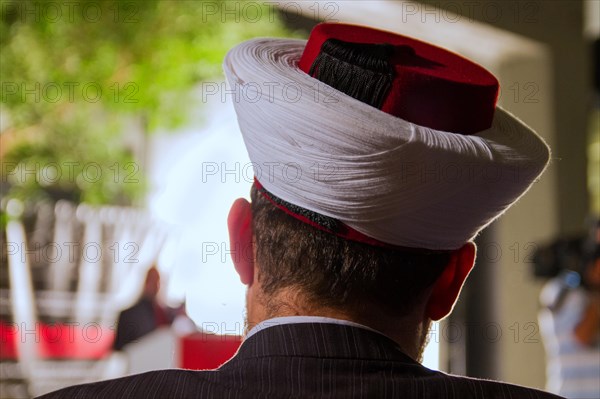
321, 340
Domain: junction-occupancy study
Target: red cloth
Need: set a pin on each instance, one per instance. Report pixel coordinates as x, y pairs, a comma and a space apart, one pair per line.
58, 341
432, 87
203, 351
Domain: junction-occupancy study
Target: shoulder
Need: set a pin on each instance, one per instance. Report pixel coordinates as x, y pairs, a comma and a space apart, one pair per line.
142, 304
237, 383
488, 389
161, 384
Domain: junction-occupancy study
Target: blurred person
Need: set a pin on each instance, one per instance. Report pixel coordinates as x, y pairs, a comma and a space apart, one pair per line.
570, 325
145, 316
357, 242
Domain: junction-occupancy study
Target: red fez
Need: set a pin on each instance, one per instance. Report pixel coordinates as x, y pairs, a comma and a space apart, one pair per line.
431, 86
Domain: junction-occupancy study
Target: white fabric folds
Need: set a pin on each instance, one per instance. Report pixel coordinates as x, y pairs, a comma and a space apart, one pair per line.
390, 179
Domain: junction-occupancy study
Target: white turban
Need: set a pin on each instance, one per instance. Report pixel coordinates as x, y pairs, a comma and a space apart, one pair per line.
392, 180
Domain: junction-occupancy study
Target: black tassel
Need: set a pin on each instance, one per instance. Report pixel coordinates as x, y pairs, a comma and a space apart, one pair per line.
360, 70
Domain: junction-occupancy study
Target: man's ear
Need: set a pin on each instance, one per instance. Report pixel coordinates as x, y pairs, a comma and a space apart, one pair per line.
239, 223
447, 287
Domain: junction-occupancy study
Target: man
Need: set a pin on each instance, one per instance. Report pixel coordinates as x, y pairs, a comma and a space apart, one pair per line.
360, 229
145, 316
570, 320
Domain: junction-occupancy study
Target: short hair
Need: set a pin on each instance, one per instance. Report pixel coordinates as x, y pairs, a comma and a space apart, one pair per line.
334, 272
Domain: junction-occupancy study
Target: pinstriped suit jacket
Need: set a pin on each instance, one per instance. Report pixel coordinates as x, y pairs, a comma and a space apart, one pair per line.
306, 360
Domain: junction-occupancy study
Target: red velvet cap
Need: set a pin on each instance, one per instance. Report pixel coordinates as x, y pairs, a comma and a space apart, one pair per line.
432, 87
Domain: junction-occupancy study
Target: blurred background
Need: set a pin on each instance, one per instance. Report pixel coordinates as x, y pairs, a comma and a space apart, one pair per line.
121, 156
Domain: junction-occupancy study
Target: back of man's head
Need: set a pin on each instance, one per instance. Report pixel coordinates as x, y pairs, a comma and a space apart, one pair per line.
324, 269
379, 235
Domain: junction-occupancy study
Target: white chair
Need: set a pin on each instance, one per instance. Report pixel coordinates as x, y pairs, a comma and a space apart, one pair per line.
121, 245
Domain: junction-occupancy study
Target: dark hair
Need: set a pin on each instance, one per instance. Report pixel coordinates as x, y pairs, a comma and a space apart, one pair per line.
333, 272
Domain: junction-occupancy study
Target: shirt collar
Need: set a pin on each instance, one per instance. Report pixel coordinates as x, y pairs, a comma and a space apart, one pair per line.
276, 321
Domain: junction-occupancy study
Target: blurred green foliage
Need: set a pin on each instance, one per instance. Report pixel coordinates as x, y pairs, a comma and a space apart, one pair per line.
76, 74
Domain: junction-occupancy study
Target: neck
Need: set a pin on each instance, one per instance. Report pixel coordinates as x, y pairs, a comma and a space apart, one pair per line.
408, 332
